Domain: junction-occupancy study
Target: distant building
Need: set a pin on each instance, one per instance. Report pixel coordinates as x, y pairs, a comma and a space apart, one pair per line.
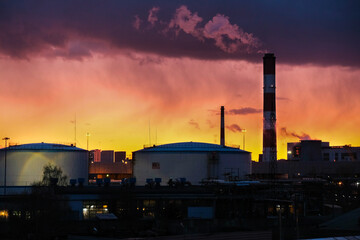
112, 170
107, 156
316, 150
95, 155
314, 158
120, 156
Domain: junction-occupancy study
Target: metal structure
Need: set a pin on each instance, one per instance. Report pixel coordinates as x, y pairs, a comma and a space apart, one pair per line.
222, 127
5, 139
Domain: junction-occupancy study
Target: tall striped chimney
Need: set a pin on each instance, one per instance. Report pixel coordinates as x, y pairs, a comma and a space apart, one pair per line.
222, 128
269, 133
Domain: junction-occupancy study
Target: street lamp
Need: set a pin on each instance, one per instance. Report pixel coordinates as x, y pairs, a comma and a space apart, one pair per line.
243, 131
5, 139
87, 138
279, 209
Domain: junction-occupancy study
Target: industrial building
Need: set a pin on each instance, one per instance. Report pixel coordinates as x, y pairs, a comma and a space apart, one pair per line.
191, 160
314, 158
24, 163
316, 150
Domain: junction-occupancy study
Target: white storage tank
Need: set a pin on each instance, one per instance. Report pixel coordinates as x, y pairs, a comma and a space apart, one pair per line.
191, 160
24, 163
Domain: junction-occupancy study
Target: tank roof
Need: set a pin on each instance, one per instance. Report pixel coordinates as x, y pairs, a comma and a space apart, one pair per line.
191, 147
44, 146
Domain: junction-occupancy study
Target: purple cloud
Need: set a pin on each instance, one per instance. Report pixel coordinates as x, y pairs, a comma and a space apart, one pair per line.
152, 18
194, 124
234, 128
244, 111
303, 136
218, 31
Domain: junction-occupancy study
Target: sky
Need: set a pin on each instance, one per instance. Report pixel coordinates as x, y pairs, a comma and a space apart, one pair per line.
135, 73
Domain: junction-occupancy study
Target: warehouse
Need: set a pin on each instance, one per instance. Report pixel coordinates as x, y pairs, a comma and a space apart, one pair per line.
194, 161
24, 163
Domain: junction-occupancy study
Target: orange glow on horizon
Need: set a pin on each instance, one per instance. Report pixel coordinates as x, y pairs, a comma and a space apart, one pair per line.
117, 100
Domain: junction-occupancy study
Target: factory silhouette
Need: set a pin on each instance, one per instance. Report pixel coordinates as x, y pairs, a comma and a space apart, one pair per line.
184, 188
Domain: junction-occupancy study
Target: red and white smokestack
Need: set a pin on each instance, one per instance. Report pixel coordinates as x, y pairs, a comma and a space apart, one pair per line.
222, 128
269, 133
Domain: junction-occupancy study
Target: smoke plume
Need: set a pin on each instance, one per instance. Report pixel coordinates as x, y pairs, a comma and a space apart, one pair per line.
303, 136
234, 128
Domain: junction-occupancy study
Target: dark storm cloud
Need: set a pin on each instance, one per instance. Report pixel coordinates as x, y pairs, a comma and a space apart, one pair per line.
316, 32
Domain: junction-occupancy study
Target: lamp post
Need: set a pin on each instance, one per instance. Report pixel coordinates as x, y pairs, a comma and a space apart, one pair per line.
5, 139
279, 209
243, 131
87, 140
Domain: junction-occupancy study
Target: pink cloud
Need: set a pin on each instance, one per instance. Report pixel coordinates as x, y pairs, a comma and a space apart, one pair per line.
187, 21
152, 18
229, 37
194, 124
137, 22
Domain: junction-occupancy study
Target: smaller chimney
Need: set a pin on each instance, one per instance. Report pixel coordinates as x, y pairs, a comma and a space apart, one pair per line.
222, 130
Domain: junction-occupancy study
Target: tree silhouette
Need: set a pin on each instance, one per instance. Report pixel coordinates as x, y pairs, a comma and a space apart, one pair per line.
52, 174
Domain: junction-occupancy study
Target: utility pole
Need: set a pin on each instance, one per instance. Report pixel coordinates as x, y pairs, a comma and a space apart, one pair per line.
243, 131
87, 140
5, 139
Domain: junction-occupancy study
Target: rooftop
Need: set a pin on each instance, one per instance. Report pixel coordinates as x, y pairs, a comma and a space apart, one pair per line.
191, 147
44, 146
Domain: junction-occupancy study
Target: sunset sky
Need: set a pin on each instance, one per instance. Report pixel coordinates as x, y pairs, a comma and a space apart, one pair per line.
141, 72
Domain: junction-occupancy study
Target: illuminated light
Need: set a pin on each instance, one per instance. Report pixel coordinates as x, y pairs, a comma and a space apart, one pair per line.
92, 206
4, 214
107, 175
289, 152
340, 183
143, 209
105, 206
122, 161
125, 162
137, 208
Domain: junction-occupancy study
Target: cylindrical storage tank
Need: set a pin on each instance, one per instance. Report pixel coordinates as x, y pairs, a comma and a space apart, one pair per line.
191, 160
25, 163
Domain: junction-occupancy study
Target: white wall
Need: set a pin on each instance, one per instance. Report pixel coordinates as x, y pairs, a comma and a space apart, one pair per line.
191, 165
25, 167
238, 162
